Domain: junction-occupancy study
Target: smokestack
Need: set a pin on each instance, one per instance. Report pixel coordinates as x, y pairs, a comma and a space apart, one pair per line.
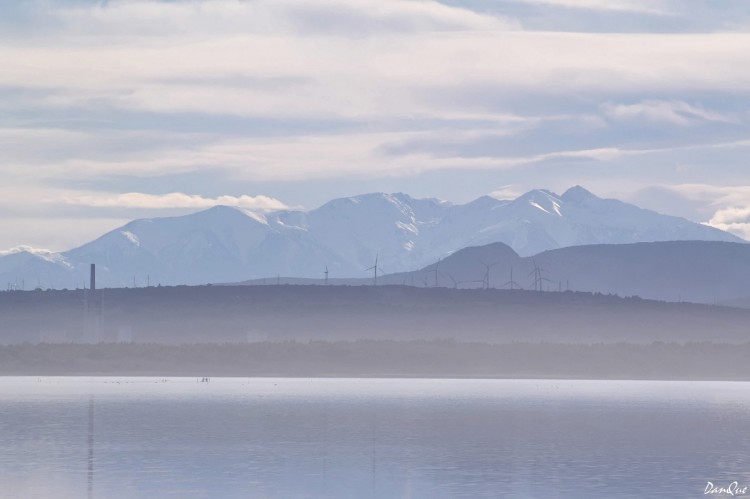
92, 286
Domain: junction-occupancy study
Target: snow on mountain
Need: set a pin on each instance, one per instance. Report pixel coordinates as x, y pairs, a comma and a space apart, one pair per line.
29, 254
541, 220
215, 245
224, 244
390, 226
23, 266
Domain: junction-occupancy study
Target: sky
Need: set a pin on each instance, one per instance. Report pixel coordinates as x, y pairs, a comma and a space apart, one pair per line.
114, 110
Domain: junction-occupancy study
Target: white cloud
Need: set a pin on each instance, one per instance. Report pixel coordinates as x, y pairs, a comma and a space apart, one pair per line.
27, 249
731, 205
741, 229
640, 6
298, 157
507, 192
203, 57
736, 217
372, 73
675, 112
348, 18
171, 200
30, 154
732, 215
316, 156
248, 158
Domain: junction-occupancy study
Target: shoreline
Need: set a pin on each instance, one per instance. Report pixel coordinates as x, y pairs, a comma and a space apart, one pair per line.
370, 359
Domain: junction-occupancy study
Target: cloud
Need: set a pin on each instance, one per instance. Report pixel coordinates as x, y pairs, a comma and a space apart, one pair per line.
210, 97
347, 18
214, 56
716, 195
732, 215
638, 6
312, 156
31, 154
171, 200
91, 157
674, 112
507, 192
735, 219
28, 249
210, 57
300, 156
731, 205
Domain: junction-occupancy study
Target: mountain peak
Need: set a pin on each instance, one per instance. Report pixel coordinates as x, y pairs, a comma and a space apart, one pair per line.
405, 198
577, 194
222, 208
536, 193
540, 199
225, 243
24, 251
222, 211
488, 202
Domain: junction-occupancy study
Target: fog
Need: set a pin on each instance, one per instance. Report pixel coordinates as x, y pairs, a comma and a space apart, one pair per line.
402, 359
367, 331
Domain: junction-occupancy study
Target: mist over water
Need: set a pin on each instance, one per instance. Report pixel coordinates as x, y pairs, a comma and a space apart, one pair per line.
343, 438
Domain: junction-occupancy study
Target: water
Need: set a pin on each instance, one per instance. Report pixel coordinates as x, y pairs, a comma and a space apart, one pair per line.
343, 438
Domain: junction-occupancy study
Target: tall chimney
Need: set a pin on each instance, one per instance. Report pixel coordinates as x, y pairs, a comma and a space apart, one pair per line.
92, 287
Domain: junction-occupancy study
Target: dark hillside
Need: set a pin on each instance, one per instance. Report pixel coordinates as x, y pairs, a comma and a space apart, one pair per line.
277, 313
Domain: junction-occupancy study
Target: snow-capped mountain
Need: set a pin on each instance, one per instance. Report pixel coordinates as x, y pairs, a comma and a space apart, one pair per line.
345, 235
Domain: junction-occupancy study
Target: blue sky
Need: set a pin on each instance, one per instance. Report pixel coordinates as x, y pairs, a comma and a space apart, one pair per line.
112, 110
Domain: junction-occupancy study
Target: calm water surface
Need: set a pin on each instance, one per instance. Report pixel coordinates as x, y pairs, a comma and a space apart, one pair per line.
343, 438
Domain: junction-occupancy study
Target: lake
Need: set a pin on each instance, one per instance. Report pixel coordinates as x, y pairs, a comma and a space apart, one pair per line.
370, 438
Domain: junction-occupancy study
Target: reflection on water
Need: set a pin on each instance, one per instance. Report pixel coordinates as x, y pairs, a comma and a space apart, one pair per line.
287, 438
91, 448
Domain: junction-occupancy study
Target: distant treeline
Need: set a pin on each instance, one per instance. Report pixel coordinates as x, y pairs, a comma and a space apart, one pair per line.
365, 358
237, 314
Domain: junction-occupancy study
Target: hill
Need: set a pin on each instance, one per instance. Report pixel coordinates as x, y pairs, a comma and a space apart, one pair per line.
692, 271
239, 314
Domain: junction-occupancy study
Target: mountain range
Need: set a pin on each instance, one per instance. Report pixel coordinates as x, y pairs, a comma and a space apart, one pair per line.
345, 236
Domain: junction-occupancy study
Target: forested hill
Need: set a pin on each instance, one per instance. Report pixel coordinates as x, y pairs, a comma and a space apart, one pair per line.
235, 314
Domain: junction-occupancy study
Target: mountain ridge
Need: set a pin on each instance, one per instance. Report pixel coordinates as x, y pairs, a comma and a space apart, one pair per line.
345, 235
707, 272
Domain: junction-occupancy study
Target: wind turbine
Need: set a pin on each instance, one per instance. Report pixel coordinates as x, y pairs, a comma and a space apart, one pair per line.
436, 272
539, 278
487, 267
325, 282
512, 283
375, 268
